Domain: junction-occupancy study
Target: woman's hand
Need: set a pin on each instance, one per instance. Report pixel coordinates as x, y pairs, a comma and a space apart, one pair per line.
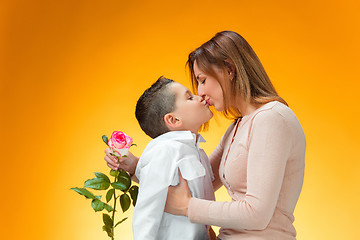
127, 163
178, 198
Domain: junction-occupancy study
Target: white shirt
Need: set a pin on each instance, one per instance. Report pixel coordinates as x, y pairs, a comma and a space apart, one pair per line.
157, 169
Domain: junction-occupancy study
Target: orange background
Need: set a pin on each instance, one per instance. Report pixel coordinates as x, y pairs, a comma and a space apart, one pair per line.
72, 71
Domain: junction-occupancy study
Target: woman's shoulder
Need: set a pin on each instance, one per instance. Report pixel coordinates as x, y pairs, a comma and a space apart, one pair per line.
273, 110
276, 114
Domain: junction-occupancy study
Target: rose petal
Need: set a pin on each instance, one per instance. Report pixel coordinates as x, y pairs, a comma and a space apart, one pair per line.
129, 141
120, 152
120, 143
118, 139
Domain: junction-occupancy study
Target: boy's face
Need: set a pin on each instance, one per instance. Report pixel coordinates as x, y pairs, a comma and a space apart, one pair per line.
190, 109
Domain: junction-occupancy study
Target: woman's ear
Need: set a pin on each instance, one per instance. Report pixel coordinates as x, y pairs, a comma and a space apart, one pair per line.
230, 68
171, 121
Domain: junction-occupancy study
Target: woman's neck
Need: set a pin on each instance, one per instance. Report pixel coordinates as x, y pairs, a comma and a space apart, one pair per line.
247, 108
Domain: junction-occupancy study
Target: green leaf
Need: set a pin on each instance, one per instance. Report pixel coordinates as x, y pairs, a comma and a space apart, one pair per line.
105, 139
97, 205
118, 185
123, 173
125, 202
134, 190
108, 208
97, 184
126, 181
103, 176
110, 194
84, 192
120, 222
108, 231
123, 183
114, 173
107, 220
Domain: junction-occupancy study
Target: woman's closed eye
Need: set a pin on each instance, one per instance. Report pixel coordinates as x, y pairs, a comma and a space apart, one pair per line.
202, 81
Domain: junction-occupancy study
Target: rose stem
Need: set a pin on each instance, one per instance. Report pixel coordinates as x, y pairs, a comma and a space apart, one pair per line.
113, 215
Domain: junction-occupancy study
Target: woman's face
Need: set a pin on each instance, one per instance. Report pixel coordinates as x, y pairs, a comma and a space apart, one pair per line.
209, 88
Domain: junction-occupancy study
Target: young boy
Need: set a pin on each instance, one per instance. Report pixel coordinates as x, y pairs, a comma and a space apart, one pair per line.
170, 114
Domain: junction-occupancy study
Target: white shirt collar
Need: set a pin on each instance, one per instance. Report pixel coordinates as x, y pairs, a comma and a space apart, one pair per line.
183, 136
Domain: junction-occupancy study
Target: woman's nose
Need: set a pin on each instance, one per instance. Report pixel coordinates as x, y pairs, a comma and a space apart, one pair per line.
201, 91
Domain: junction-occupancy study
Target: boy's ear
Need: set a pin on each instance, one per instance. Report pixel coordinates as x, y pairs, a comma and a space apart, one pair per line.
171, 121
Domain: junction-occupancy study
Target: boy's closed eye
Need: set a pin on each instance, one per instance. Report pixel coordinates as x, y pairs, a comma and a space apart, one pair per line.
189, 95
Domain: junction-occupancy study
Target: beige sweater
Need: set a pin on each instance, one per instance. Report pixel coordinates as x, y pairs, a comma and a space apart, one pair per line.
260, 160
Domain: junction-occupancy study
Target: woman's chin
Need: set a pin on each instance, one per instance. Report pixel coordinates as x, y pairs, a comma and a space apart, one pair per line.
219, 108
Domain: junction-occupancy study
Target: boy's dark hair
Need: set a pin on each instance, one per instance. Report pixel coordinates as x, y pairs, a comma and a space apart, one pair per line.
152, 106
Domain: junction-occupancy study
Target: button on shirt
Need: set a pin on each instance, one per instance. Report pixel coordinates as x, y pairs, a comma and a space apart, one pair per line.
157, 169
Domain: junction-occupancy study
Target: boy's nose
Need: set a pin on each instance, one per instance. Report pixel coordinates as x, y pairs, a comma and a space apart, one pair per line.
199, 98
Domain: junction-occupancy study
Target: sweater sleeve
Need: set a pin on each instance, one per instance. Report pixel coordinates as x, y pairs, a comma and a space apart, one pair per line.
215, 158
269, 148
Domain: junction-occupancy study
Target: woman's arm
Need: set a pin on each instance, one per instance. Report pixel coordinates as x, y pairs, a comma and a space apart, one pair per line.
215, 158
269, 150
216, 155
178, 198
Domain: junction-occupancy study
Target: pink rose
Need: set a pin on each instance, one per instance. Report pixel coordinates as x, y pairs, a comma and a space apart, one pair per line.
120, 143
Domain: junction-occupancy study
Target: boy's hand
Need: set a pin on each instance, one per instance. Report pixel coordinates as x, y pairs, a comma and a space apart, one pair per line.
127, 163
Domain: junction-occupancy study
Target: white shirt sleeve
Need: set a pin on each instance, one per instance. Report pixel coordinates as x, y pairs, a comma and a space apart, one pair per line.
156, 173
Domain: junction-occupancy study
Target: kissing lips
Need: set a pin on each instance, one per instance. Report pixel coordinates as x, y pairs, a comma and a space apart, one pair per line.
208, 102
205, 103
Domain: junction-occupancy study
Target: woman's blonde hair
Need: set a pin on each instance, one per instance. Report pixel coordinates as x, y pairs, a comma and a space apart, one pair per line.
228, 50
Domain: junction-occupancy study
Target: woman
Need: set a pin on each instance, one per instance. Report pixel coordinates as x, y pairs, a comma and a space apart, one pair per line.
260, 158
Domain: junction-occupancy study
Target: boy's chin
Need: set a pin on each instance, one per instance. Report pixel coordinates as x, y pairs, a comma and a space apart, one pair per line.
209, 117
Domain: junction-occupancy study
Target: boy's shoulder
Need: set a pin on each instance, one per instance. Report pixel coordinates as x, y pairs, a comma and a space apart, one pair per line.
173, 144
173, 139
168, 146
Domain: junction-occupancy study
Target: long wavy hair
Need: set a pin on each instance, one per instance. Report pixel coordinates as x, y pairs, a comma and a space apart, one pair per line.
226, 50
